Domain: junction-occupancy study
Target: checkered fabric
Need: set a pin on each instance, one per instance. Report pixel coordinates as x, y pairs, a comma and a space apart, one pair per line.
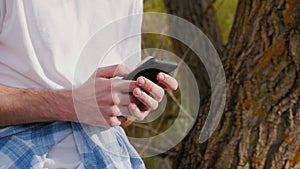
26, 146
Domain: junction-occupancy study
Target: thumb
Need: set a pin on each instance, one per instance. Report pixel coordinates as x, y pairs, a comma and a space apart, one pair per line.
112, 71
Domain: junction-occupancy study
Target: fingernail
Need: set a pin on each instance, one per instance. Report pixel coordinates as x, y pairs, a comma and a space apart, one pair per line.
141, 81
161, 76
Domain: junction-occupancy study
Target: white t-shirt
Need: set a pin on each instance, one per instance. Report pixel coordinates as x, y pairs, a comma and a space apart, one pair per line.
41, 42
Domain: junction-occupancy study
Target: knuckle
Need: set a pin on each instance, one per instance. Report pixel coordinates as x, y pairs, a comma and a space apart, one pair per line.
135, 113
154, 106
159, 99
106, 112
148, 85
160, 95
115, 99
110, 101
112, 122
162, 92
109, 121
114, 111
132, 86
140, 117
122, 68
117, 67
115, 83
109, 111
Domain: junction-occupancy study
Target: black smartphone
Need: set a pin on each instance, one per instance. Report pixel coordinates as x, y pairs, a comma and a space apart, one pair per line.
150, 67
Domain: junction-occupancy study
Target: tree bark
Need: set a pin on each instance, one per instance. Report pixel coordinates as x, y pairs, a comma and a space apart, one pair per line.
202, 14
261, 123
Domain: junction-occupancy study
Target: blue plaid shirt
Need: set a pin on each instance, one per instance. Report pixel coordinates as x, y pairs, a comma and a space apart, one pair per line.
26, 146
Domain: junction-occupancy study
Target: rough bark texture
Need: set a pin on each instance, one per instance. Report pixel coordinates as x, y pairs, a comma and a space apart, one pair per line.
261, 123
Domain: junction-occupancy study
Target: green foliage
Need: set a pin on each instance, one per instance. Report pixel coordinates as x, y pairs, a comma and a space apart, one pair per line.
225, 11
154, 6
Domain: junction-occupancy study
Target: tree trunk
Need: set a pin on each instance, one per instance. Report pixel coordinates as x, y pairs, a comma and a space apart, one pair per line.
202, 14
261, 123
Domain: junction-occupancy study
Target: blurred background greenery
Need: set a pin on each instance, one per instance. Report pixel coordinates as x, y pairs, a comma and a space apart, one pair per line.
225, 11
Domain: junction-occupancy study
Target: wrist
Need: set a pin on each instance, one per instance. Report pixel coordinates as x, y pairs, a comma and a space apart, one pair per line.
64, 104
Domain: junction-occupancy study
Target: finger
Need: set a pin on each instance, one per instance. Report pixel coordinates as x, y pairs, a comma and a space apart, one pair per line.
123, 85
153, 89
113, 121
125, 112
145, 99
168, 82
112, 71
136, 112
126, 99
120, 111
110, 111
110, 99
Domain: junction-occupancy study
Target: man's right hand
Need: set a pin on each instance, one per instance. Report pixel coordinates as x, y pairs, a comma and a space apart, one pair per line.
103, 99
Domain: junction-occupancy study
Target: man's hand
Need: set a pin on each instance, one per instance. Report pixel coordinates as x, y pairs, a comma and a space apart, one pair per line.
102, 98
118, 98
151, 94
156, 92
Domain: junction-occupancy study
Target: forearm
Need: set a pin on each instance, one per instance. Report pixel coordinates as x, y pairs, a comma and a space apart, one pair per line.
20, 106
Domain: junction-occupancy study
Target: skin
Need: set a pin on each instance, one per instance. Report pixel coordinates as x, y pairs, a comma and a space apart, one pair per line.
116, 100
